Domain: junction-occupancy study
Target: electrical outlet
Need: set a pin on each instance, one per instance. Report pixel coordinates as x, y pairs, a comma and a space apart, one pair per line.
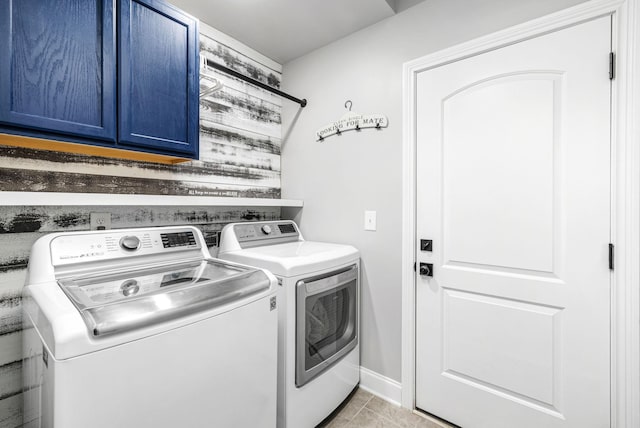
100, 221
370, 220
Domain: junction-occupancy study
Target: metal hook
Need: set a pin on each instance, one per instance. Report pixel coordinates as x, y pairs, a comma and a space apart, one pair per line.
350, 104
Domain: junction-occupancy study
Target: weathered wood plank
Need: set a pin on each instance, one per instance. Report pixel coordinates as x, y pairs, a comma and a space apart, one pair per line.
236, 61
256, 172
11, 412
10, 348
10, 313
255, 109
244, 158
11, 375
25, 219
253, 174
46, 181
12, 278
239, 104
14, 255
22, 220
222, 134
240, 85
255, 120
11, 284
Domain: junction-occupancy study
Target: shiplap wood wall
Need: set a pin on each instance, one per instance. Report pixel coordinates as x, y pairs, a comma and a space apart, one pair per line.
240, 140
240, 136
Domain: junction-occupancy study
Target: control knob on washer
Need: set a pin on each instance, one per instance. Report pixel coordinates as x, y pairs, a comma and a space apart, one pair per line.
266, 229
130, 243
129, 287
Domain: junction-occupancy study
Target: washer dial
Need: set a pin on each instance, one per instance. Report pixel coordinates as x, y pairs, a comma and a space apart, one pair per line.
130, 243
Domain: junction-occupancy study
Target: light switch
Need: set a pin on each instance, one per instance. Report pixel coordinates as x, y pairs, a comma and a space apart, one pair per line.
369, 220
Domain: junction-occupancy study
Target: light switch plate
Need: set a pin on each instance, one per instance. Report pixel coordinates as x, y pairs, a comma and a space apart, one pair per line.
369, 220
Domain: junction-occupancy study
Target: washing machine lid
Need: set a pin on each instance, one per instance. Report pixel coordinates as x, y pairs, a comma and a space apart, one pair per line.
119, 301
295, 258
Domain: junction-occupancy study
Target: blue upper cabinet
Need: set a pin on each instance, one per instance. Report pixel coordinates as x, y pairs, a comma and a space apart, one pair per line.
58, 71
111, 73
158, 77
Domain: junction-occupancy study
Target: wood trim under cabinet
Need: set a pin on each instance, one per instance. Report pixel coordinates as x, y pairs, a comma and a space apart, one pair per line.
67, 147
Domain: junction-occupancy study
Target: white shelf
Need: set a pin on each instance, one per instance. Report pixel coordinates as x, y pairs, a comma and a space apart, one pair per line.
107, 199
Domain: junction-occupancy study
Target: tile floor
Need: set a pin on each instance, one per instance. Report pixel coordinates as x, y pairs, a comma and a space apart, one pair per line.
365, 410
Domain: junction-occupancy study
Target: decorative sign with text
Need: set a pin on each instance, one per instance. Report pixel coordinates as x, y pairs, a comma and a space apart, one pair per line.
352, 122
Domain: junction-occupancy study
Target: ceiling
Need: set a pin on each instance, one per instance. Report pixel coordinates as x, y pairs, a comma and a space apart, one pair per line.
286, 29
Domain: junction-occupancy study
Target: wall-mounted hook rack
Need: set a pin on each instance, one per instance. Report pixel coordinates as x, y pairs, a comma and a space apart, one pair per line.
352, 121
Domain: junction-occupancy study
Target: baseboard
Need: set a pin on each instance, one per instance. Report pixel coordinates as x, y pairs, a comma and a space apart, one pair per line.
385, 388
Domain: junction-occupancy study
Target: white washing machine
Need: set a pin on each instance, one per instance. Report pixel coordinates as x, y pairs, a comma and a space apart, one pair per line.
319, 354
141, 328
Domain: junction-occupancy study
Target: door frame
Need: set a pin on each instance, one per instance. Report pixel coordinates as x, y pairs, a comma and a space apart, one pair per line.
625, 191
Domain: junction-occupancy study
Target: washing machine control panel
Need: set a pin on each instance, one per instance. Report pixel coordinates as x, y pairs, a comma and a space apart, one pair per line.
113, 244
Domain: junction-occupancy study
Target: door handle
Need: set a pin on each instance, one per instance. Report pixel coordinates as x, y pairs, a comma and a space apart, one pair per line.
426, 269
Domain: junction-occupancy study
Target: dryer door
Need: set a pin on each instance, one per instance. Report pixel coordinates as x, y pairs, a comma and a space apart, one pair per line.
326, 321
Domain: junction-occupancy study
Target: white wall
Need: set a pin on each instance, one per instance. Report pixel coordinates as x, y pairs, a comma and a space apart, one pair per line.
345, 175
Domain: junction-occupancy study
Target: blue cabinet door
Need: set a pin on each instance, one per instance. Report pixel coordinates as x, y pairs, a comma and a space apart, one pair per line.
58, 68
158, 78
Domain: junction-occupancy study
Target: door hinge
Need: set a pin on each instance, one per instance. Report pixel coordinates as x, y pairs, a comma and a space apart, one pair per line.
611, 248
414, 266
612, 65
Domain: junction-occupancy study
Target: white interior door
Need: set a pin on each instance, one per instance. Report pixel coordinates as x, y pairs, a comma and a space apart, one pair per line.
513, 187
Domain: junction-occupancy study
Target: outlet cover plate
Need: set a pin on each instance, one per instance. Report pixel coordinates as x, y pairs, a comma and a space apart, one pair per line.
100, 221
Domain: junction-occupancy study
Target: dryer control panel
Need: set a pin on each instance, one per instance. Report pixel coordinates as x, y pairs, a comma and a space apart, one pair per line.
265, 233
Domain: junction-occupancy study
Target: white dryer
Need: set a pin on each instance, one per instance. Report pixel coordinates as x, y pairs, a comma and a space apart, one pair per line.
141, 328
318, 349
